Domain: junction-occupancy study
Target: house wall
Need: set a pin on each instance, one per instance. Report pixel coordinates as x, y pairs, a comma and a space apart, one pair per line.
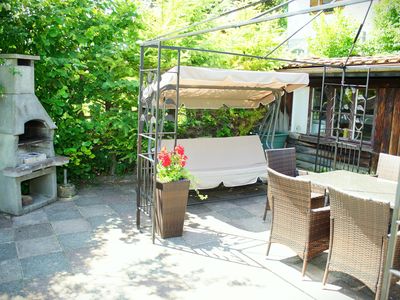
386, 132
300, 110
298, 43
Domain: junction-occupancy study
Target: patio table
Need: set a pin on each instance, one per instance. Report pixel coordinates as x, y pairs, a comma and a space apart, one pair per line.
359, 185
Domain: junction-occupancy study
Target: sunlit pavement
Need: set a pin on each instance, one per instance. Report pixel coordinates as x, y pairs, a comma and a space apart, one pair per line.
89, 248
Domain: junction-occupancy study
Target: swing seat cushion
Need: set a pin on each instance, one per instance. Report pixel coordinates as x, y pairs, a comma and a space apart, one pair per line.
232, 161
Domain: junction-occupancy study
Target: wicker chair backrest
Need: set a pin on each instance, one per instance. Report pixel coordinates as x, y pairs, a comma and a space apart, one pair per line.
282, 160
291, 205
360, 229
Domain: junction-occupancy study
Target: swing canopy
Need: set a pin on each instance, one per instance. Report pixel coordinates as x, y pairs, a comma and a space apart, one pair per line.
209, 88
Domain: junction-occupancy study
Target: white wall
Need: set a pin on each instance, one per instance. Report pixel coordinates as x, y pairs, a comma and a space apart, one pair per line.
300, 110
299, 40
355, 12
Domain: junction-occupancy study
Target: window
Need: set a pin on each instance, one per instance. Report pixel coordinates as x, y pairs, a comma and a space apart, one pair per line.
316, 110
352, 121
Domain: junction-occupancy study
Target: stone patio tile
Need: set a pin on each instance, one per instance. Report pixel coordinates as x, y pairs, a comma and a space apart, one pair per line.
96, 210
199, 237
81, 260
77, 240
220, 205
130, 193
256, 209
12, 289
213, 215
198, 209
7, 251
39, 246
124, 209
33, 231
250, 200
6, 235
61, 215
5, 221
32, 218
88, 191
119, 199
10, 270
59, 206
70, 226
109, 191
109, 221
89, 200
44, 265
253, 224
236, 213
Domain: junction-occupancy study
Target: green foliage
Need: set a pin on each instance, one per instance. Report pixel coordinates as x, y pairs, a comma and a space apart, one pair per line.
387, 25
333, 37
87, 75
86, 78
219, 123
258, 39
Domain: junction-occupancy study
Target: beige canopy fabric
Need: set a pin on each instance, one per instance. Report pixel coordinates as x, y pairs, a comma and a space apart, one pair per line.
207, 88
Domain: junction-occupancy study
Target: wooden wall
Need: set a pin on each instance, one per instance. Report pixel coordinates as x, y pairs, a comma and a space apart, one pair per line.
387, 121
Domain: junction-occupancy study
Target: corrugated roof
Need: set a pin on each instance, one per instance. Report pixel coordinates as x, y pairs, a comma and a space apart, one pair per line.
353, 61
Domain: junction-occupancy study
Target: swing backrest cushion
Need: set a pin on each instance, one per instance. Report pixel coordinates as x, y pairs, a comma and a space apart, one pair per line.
233, 161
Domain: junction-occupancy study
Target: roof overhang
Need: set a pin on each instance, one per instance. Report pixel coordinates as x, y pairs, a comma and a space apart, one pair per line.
351, 71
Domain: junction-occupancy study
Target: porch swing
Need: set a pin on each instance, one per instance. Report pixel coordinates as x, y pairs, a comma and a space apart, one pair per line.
232, 161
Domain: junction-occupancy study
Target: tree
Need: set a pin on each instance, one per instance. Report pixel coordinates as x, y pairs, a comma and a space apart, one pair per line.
86, 78
258, 39
334, 37
387, 25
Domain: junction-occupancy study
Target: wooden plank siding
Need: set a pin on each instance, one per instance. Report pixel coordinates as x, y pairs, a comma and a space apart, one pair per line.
306, 149
387, 121
395, 134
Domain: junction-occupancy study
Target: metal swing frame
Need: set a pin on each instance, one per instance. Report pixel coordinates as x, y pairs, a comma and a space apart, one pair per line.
151, 117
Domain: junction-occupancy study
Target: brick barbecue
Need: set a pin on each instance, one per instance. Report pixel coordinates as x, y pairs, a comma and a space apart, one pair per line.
27, 159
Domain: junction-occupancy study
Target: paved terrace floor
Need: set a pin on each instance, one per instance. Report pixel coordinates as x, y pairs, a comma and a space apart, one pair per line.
89, 248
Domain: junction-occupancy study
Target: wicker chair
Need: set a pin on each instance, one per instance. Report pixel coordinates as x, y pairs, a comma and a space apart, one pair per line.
388, 166
283, 161
358, 239
294, 222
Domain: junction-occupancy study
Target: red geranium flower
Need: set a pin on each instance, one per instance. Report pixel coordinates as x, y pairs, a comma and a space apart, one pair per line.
163, 153
166, 161
180, 150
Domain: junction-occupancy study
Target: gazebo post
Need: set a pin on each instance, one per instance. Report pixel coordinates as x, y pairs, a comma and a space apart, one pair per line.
156, 144
139, 141
178, 74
